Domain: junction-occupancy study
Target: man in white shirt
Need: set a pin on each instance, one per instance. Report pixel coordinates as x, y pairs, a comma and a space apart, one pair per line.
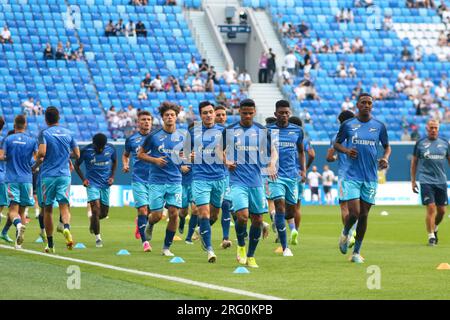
5, 36
229, 76
244, 80
193, 66
313, 181
197, 84
375, 92
157, 84
347, 104
346, 47
441, 91
286, 76
327, 181
402, 75
317, 44
358, 46
290, 61
28, 106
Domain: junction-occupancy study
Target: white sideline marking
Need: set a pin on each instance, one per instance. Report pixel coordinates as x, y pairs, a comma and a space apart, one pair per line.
151, 274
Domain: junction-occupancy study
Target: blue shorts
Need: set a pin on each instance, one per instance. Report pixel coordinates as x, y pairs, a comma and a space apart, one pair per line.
21, 193
266, 188
284, 188
187, 197
102, 194
350, 190
209, 192
252, 199
301, 189
168, 194
434, 193
227, 194
140, 194
4, 201
55, 188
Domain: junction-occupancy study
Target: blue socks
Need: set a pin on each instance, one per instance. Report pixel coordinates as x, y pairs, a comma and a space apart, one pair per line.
50, 241
168, 239
226, 219
255, 234
357, 248
241, 233
192, 224
16, 222
41, 221
281, 229
6, 227
205, 232
182, 222
142, 222
66, 226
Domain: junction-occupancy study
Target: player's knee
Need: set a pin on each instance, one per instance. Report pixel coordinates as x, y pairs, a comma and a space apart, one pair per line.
280, 205
143, 211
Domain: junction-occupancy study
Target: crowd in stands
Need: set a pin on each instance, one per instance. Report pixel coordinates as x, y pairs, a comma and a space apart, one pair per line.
145, 2
128, 30
123, 122
64, 53
5, 35
344, 16
32, 108
420, 4
267, 67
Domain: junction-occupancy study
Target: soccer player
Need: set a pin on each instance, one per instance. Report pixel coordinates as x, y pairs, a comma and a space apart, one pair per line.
246, 152
140, 172
4, 201
17, 150
227, 204
101, 162
55, 146
163, 149
332, 156
362, 135
327, 182
430, 155
313, 181
186, 201
209, 182
294, 223
288, 139
270, 203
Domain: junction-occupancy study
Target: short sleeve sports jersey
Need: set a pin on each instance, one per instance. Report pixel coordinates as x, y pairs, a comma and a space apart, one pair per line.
365, 137
432, 155
160, 143
204, 141
249, 148
287, 142
341, 157
19, 149
186, 178
59, 142
2, 166
140, 169
306, 147
98, 165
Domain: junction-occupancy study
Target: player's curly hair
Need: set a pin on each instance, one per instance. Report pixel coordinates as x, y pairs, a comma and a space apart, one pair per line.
99, 140
51, 115
166, 106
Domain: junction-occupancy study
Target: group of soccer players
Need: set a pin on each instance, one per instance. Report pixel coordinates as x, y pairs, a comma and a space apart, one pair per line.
211, 169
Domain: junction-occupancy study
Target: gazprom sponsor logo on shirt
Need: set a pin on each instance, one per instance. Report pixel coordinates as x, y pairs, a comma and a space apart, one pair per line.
428, 155
287, 144
364, 142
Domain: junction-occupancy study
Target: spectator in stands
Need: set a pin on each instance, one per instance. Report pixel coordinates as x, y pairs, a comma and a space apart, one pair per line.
110, 29
406, 54
213, 75
363, 3
375, 92
229, 76
157, 84
424, 4
358, 46
242, 95
347, 104
190, 115
119, 28
446, 117
339, 16
300, 92
310, 90
399, 86
418, 53
192, 67
357, 90
290, 62
317, 44
142, 95
428, 83
341, 70
271, 65
111, 113
300, 44
284, 28
130, 30
348, 15
147, 81
78, 55
346, 46
48, 52
388, 24
234, 99
68, 50
411, 3
28, 106
336, 48
171, 2
262, 72
60, 54
132, 114
184, 84
326, 48
38, 110
442, 40
303, 29
305, 116
441, 92
352, 71
286, 76
441, 8
203, 67
141, 31
402, 75
386, 93
5, 36
244, 80
197, 84
405, 135
182, 115
221, 98
209, 83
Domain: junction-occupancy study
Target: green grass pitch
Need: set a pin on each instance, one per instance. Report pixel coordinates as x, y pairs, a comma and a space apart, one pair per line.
395, 243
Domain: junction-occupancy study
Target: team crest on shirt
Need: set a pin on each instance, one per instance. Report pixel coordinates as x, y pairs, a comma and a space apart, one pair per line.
138, 140
291, 133
162, 138
373, 130
426, 145
441, 146
355, 126
107, 153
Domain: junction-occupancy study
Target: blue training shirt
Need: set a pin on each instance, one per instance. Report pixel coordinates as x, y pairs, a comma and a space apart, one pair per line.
2, 166
140, 169
207, 165
249, 148
186, 178
98, 165
19, 149
341, 157
60, 143
365, 137
161, 143
432, 155
306, 147
288, 142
